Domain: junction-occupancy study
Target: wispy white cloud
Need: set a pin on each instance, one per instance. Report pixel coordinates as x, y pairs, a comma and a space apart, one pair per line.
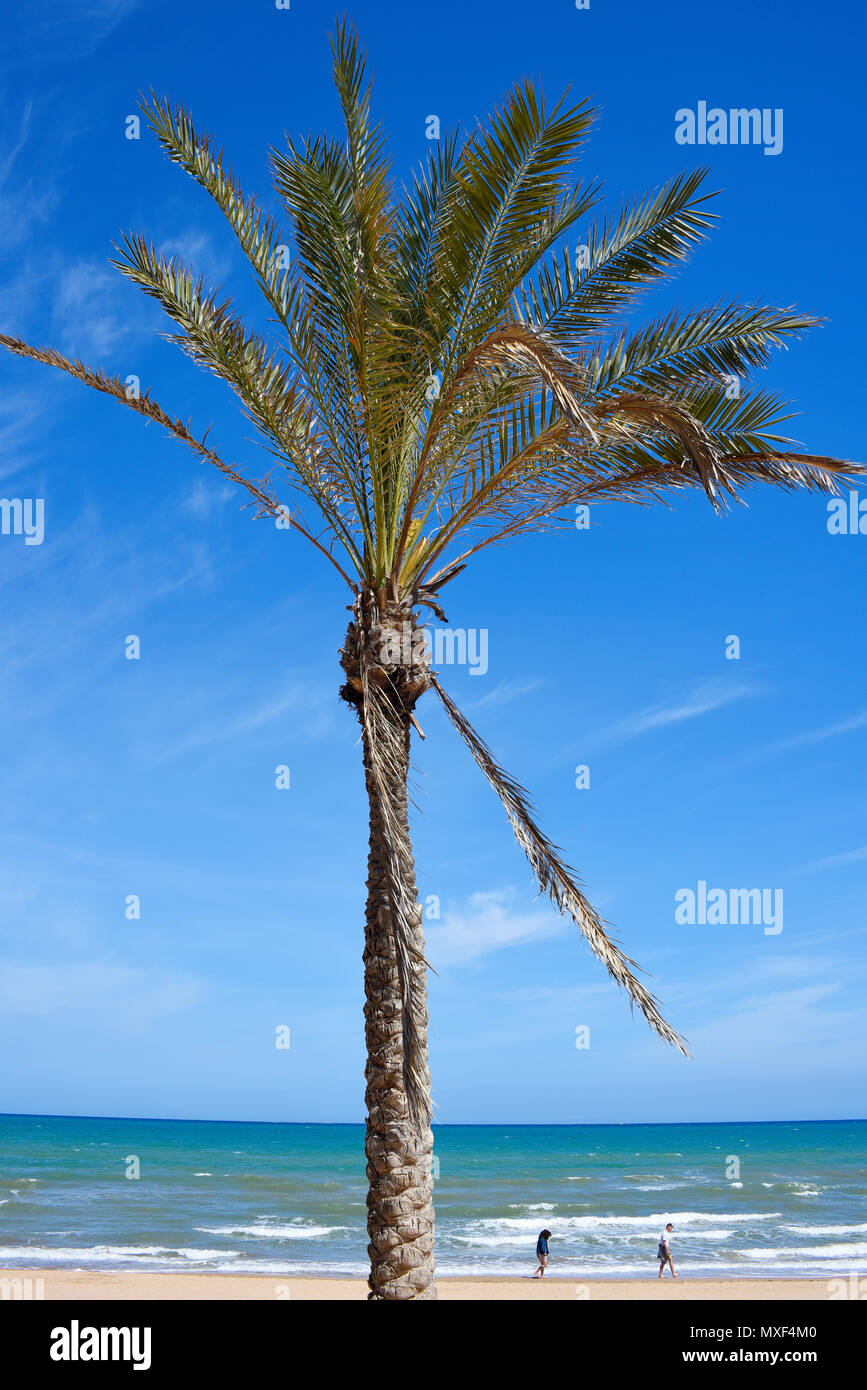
221, 731
197, 250
12, 154
22, 414
703, 699
789, 1029
87, 317
49, 991
487, 924
504, 694
842, 726
50, 31
25, 198
833, 861
203, 499
713, 993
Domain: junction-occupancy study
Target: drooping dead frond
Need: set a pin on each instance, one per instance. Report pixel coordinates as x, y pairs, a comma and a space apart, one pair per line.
261, 491
556, 879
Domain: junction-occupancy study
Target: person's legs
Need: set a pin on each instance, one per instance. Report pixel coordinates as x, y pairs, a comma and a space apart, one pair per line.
665, 1259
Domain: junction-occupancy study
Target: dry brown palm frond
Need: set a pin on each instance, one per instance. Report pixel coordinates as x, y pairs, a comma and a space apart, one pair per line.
521, 348
556, 879
260, 490
511, 364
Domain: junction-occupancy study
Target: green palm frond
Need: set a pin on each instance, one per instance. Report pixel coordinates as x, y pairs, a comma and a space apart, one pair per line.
259, 235
440, 364
467, 282
573, 295
514, 200
682, 349
268, 390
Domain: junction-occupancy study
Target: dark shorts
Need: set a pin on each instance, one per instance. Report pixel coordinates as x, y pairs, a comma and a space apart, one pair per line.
664, 1256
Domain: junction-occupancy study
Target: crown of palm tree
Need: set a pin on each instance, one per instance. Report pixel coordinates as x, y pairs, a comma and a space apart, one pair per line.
450, 369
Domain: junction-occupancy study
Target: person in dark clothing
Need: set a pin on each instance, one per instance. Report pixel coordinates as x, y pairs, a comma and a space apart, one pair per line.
542, 1253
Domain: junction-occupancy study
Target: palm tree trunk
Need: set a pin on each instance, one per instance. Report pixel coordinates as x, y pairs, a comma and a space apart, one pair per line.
387, 671
400, 1216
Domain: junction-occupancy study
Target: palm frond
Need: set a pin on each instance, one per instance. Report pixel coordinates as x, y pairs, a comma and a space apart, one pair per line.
556, 879
260, 490
266, 386
259, 235
685, 349
574, 295
514, 203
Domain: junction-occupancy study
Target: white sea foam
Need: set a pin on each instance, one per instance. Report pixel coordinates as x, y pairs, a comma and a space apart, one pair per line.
266, 1232
827, 1230
491, 1232
494, 1238
847, 1251
37, 1255
605, 1224
658, 1186
286, 1268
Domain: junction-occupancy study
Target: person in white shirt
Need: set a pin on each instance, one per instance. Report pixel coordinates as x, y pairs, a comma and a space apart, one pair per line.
665, 1252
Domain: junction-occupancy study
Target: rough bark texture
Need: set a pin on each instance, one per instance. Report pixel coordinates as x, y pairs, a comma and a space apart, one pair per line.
400, 1220
400, 1217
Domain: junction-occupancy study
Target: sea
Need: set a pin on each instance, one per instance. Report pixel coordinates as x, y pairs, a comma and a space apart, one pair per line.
786, 1199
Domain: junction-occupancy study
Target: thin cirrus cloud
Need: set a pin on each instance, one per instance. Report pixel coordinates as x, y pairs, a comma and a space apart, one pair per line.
505, 693
777, 1025
485, 925
842, 726
112, 991
833, 861
45, 32
28, 194
90, 318
703, 699
203, 500
297, 696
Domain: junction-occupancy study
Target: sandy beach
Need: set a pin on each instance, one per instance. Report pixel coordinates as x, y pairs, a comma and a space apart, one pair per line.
89, 1284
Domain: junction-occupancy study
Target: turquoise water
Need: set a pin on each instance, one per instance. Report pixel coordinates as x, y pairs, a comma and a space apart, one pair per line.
289, 1198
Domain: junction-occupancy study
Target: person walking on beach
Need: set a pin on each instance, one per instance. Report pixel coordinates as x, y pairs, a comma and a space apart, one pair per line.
664, 1255
542, 1253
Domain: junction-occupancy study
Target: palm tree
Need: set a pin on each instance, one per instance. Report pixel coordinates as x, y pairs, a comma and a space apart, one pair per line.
445, 373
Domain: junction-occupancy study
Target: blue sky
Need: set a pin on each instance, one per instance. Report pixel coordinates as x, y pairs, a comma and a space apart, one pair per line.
606, 647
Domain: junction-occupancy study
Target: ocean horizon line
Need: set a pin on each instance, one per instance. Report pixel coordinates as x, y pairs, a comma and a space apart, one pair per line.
437, 1124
